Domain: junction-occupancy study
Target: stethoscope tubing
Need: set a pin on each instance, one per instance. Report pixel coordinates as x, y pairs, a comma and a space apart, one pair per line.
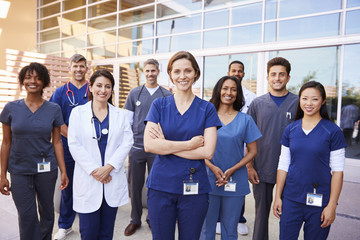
138, 102
72, 102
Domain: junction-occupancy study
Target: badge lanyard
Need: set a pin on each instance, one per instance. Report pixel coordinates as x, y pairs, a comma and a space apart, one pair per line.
138, 102
230, 186
43, 166
191, 187
314, 199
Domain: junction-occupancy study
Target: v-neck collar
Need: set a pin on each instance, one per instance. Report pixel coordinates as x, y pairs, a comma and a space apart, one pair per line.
187, 110
225, 125
37, 110
312, 130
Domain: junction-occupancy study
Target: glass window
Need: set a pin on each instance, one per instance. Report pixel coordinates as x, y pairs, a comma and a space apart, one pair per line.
50, 35
350, 114
249, 60
70, 4
43, 2
270, 32
173, 7
290, 8
75, 15
311, 27
177, 43
50, 47
213, 4
216, 38
352, 22
74, 43
214, 68
135, 48
126, 4
101, 52
218, 18
102, 23
69, 54
353, 3
136, 32
73, 29
245, 35
137, 15
247, 13
102, 38
49, 23
50, 10
109, 6
179, 25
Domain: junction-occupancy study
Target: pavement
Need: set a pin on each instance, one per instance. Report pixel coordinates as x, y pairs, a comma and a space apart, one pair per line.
345, 227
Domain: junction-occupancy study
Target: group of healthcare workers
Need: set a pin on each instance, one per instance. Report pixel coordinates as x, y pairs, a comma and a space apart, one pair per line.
198, 175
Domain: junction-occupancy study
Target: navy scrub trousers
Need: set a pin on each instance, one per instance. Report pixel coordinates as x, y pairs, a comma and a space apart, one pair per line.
26, 190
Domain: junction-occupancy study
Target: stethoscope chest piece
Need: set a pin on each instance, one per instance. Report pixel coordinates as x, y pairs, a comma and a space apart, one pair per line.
104, 131
137, 103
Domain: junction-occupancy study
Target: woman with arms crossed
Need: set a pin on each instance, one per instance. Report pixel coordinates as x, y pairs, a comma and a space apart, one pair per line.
99, 139
228, 175
310, 171
31, 151
181, 130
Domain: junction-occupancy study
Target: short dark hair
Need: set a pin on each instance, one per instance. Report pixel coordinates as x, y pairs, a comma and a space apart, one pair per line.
153, 62
105, 73
216, 94
77, 58
279, 61
41, 71
323, 111
236, 62
188, 56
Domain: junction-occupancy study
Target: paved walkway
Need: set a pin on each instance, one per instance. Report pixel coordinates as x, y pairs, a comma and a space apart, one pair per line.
345, 227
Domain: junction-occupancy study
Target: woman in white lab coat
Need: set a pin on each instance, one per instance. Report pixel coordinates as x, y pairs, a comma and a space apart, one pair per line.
99, 139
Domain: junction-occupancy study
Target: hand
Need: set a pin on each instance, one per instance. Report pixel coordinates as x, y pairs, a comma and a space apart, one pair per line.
197, 141
253, 176
219, 176
107, 180
156, 132
328, 216
4, 186
277, 207
102, 173
64, 181
228, 173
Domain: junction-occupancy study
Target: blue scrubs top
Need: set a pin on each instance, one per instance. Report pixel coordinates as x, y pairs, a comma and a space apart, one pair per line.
230, 150
310, 159
30, 135
99, 126
169, 171
60, 97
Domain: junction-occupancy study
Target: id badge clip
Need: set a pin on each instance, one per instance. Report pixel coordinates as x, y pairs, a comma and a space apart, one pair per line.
314, 199
230, 186
43, 166
191, 187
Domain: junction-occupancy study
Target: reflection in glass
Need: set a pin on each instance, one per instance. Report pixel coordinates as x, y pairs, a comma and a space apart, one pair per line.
351, 100
218, 18
179, 42
136, 32
221, 3
70, 4
102, 38
75, 15
290, 8
50, 35
74, 43
172, 7
249, 60
43, 2
135, 48
68, 54
102, 23
216, 38
73, 29
101, 52
245, 35
49, 23
353, 3
352, 22
50, 10
247, 13
179, 25
137, 15
270, 9
214, 68
270, 32
50, 47
107, 7
310, 27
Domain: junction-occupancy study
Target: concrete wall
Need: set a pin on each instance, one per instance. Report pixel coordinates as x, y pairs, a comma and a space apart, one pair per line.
18, 28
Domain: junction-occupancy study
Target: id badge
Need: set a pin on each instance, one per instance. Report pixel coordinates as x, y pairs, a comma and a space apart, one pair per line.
43, 167
230, 187
313, 199
191, 188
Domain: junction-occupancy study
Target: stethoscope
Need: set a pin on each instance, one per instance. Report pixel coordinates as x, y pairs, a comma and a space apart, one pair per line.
103, 131
72, 102
138, 103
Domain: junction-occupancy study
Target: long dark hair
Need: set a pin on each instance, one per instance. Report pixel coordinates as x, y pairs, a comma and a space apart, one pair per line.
323, 111
216, 94
105, 73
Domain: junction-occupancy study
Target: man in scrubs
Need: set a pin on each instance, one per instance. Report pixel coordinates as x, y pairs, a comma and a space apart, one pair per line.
271, 112
68, 96
139, 102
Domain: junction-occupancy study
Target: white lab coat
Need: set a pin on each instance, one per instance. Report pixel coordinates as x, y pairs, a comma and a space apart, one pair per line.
88, 192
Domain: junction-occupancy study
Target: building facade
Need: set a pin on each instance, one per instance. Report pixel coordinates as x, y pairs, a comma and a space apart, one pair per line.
320, 38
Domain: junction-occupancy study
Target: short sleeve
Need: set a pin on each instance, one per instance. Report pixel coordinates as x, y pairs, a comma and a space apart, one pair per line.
55, 98
58, 117
337, 140
285, 138
5, 116
212, 118
252, 131
129, 103
251, 111
154, 112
